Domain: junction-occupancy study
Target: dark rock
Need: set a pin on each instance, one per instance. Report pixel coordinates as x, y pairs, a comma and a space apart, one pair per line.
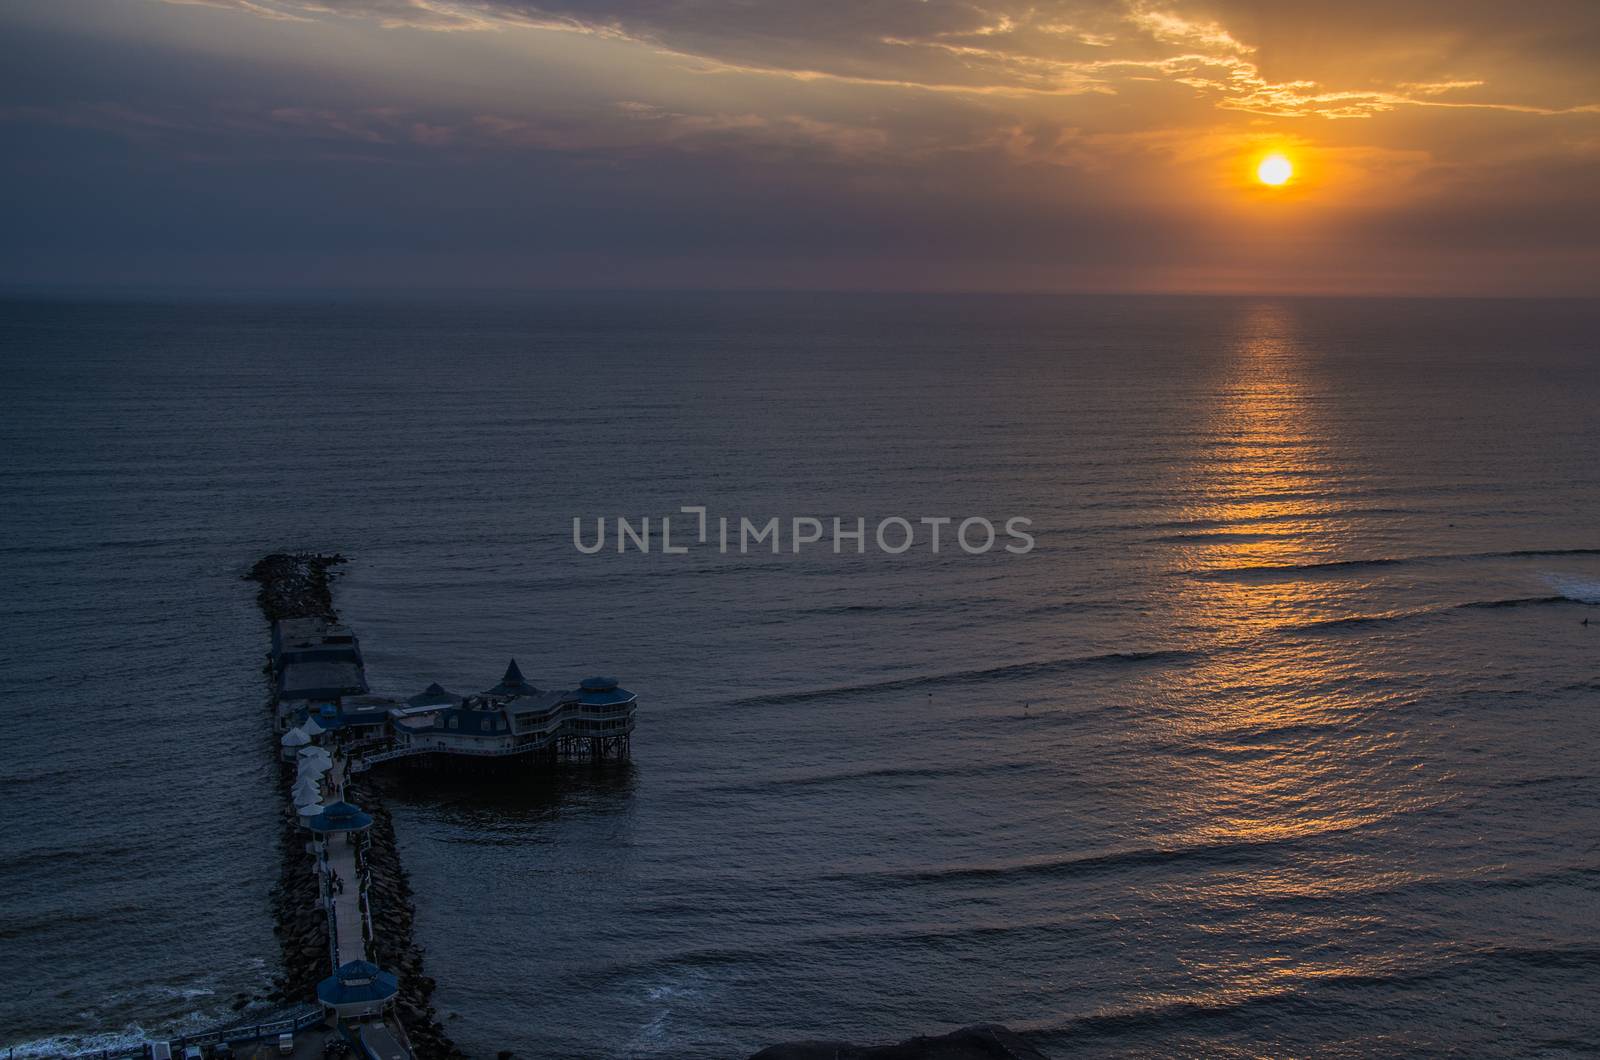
984, 1041
295, 584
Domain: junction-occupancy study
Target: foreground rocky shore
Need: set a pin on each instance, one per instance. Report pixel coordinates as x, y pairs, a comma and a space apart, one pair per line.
299, 585
983, 1041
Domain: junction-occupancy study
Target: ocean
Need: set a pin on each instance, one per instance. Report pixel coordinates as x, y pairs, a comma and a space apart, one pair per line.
1281, 741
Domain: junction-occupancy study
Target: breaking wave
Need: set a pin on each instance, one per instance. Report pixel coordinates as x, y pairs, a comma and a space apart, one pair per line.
1344, 565
1008, 672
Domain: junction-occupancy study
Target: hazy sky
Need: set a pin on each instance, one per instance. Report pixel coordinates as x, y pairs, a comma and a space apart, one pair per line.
1447, 146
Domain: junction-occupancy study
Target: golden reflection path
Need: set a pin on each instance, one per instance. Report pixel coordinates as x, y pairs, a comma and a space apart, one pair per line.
1266, 739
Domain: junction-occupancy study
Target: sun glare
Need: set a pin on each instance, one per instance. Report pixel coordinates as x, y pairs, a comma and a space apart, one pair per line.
1275, 170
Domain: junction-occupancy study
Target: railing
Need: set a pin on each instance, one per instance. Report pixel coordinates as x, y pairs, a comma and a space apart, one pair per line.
427, 744
362, 763
555, 719
297, 1019
333, 925
325, 891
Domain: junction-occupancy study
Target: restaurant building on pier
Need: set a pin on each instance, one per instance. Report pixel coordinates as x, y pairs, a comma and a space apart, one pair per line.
516, 718
323, 698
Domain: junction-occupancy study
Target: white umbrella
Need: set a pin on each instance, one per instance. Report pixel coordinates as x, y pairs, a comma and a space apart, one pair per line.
314, 769
310, 809
295, 738
315, 754
307, 787
312, 728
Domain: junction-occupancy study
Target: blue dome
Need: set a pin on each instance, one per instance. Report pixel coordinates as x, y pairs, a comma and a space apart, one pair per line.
340, 817
358, 983
603, 692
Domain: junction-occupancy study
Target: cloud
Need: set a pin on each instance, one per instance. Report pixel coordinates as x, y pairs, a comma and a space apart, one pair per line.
1070, 47
390, 14
268, 11
993, 144
629, 128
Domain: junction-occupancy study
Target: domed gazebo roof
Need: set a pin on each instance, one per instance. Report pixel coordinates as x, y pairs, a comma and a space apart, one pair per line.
340, 817
358, 983
513, 684
602, 691
435, 695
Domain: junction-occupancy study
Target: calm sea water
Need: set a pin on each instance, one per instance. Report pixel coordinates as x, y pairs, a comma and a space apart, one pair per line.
1283, 741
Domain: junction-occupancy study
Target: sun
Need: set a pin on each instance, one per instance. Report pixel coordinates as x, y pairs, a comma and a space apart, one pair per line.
1275, 170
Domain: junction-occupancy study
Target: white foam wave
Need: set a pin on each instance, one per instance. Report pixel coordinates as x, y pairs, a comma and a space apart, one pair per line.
1580, 590
129, 1037
655, 1036
115, 1042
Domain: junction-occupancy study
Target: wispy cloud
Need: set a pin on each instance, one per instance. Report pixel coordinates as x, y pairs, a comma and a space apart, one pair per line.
1011, 47
970, 137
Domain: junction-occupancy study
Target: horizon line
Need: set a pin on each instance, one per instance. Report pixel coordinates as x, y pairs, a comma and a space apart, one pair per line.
134, 293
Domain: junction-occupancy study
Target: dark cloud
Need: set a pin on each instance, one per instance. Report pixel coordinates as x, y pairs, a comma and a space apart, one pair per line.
1295, 56
896, 144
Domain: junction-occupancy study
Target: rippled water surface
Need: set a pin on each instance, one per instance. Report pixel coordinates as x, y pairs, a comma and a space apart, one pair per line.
1282, 741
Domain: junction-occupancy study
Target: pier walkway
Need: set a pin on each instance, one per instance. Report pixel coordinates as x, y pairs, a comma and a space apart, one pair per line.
347, 919
350, 942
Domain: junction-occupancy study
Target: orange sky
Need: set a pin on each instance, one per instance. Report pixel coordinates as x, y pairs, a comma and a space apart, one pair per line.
910, 144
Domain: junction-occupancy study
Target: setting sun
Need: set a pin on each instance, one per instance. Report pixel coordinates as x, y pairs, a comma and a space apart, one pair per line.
1274, 169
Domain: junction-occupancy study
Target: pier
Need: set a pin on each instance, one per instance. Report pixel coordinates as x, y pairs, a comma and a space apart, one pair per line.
353, 982
332, 846
331, 730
